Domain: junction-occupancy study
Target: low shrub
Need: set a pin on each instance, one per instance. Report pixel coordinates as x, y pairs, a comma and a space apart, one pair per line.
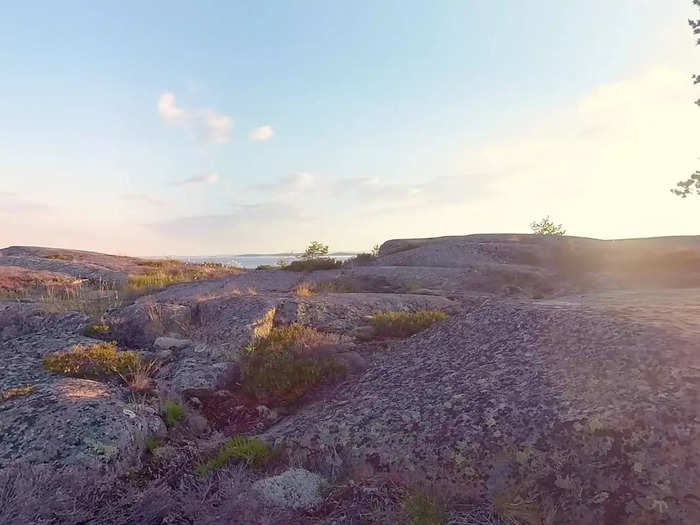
267, 267
254, 452
361, 259
173, 413
92, 361
96, 330
424, 508
281, 367
152, 443
309, 265
394, 323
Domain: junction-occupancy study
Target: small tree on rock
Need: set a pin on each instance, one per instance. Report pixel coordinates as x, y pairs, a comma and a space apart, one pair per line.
692, 184
547, 227
315, 250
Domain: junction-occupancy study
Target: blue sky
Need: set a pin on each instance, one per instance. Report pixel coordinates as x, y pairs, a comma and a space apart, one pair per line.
219, 127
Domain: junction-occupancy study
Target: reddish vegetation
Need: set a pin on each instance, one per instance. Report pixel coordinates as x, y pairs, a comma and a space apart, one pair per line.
16, 279
230, 412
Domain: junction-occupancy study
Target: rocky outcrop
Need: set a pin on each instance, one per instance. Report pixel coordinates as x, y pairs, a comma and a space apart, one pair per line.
579, 409
47, 418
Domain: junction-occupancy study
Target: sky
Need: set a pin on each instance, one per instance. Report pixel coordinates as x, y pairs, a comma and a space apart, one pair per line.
203, 128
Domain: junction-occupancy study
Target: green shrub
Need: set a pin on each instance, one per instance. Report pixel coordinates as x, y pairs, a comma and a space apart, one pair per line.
309, 265
281, 367
361, 259
173, 413
424, 508
152, 443
254, 452
92, 361
402, 324
95, 330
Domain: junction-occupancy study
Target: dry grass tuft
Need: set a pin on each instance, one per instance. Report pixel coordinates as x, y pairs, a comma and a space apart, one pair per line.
394, 323
16, 392
92, 361
303, 290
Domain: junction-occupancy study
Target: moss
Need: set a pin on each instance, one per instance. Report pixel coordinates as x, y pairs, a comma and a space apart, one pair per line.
16, 392
254, 452
173, 413
92, 361
281, 367
402, 324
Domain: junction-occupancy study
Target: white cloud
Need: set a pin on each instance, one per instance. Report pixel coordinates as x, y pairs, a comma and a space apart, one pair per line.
203, 178
262, 133
207, 124
169, 110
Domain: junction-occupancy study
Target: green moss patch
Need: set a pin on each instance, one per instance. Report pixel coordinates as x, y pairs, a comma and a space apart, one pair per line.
252, 451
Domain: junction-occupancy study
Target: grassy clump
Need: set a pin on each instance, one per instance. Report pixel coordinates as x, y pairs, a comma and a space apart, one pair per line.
281, 367
173, 413
424, 508
95, 330
92, 361
394, 323
159, 274
254, 452
309, 265
16, 392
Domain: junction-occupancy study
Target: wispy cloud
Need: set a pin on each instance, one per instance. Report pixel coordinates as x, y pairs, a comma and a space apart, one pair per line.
262, 133
205, 123
289, 184
142, 197
202, 178
11, 202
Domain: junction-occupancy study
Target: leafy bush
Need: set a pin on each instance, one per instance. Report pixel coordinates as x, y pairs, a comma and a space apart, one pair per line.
281, 367
92, 361
547, 227
402, 324
254, 452
173, 413
95, 330
309, 265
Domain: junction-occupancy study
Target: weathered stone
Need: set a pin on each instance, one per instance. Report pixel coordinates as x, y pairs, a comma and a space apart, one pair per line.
171, 343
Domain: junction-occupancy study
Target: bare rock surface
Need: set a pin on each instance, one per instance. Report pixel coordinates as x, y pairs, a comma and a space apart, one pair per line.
588, 409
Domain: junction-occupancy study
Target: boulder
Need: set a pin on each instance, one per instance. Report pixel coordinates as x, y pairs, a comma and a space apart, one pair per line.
295, 488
